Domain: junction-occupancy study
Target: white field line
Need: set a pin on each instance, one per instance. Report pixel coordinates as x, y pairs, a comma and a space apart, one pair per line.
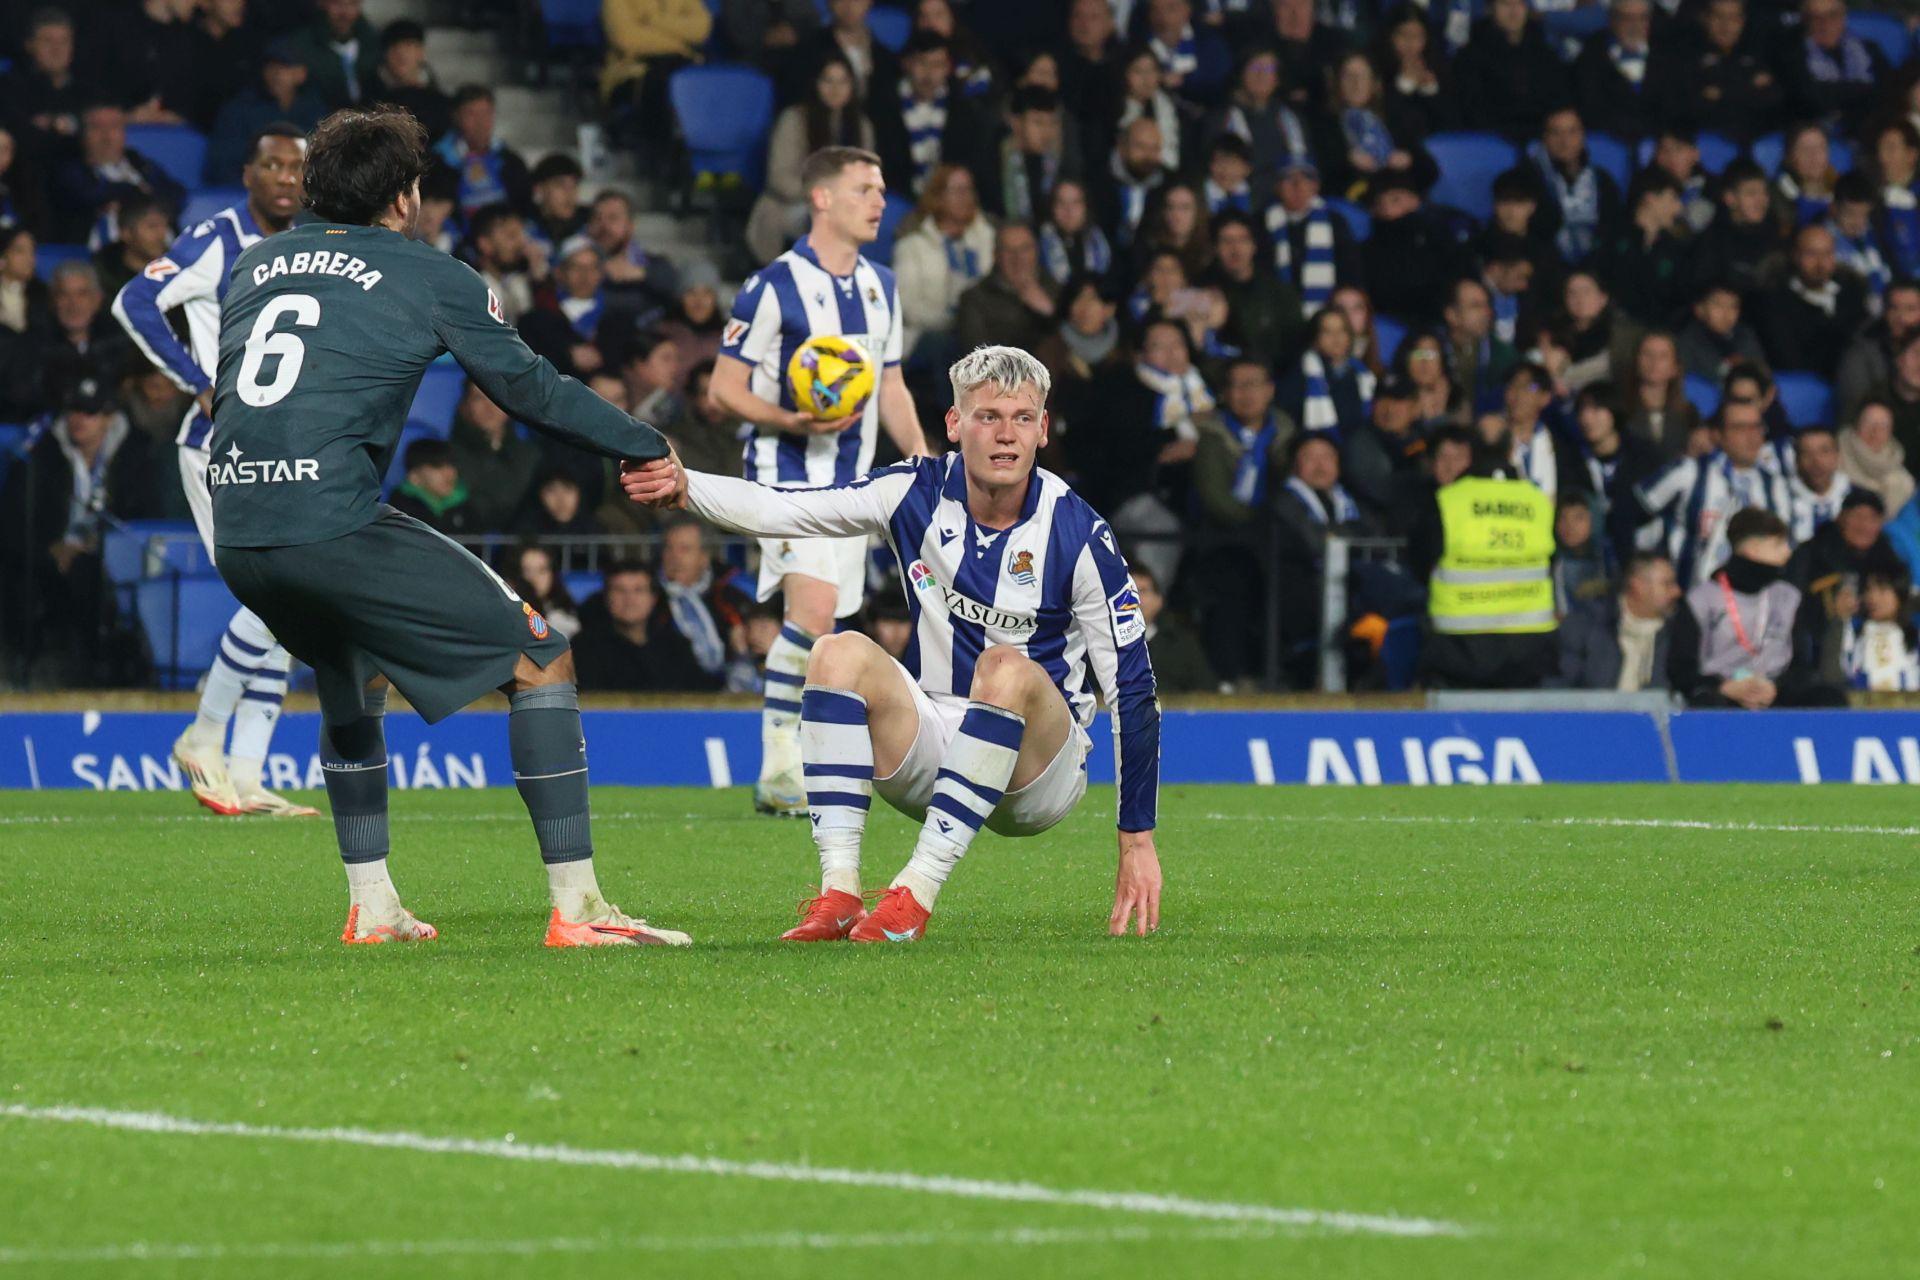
1135, 1202
350, 1250
1307, 819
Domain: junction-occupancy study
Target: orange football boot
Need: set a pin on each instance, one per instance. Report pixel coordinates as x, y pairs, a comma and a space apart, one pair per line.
827, 918
406, 929
617, 929
898, 918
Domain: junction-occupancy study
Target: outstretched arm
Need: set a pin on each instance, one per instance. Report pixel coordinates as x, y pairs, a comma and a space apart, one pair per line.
842, 511
527, 386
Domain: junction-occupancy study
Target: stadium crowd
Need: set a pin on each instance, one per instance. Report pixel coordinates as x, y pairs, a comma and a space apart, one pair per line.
1293, 265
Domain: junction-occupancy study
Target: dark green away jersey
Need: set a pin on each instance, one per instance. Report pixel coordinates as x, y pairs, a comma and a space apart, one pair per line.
324, 334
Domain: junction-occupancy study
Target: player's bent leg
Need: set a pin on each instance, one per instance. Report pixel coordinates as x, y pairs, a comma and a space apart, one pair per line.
809, 615
856, 710
550, 770
1015, 720
353, 759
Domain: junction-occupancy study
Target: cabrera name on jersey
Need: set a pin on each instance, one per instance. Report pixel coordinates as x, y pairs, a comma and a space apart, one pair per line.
792, 299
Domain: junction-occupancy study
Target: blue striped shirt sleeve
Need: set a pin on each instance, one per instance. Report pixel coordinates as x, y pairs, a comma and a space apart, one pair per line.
1106, 609
193, 268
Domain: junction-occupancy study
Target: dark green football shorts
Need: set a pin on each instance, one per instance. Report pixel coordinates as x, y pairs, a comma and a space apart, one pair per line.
392, 598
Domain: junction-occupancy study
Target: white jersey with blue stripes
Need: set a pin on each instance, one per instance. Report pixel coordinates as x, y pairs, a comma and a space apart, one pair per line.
790, 300
192, 275
1053, 586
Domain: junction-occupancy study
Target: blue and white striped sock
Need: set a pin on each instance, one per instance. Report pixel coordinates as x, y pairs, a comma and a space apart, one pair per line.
780, 715
968, 788
836, 756
255, 717
245, 644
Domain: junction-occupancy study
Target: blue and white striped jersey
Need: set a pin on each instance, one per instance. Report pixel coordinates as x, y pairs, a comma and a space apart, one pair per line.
1054, 586
191, 275
1694, 498
790, 300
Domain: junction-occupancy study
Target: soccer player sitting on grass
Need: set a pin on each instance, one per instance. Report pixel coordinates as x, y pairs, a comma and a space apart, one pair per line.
1016, 589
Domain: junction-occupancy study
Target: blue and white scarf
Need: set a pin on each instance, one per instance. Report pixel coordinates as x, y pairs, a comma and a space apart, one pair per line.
1314, 274
1456, 25
1317, 411
1181, 59
1863, 258
962, 259
1878, 656
1538, 461
1807, 206
1061, 256
1250, 472
584, 313
1218, 198
1341, 15
1506, 314
1367, 133
688, 604
1630, 63
926, 122
1902, 212
1579, 202
1345, 509
1854, 65
1182, 397
1292, 132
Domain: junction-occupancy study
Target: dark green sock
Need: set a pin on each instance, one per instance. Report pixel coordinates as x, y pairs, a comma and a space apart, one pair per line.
353, 759
550, 769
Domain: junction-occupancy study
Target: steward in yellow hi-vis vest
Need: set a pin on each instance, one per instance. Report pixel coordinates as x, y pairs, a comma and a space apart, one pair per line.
1492, 577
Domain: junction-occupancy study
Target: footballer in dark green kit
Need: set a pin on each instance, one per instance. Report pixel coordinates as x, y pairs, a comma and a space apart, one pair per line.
324, 335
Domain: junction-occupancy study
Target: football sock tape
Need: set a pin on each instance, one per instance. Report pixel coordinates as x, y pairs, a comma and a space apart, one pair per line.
353, 759
550, 769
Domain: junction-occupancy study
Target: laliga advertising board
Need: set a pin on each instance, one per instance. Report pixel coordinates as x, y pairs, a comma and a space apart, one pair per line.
129, 751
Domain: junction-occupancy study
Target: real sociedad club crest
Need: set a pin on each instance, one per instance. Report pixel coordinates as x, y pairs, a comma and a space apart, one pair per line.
1021, 569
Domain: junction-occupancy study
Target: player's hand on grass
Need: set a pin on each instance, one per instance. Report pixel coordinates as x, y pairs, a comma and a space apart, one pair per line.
1136, 893
661, 482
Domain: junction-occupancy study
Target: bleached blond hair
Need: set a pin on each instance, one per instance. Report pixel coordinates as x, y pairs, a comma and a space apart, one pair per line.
1005, 369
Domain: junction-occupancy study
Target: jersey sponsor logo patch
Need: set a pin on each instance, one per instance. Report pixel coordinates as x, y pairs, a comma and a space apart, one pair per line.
237, 469
964, 607
1128, 623
161, 268
494, 308
536, 624
734, 334
1020, 569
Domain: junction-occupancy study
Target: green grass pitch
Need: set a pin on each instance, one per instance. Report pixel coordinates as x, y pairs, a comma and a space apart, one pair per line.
1681, 1048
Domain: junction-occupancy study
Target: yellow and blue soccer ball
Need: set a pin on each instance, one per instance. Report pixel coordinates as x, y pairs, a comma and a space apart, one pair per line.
831, 377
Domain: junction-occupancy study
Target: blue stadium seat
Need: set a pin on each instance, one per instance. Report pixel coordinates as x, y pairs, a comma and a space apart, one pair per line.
1611, 156
124, 550
1807, 398
183, 618
890, 27
51, 256
1717, 151
1391, 334
1703, 394
1359, 221
1840, 152
581, 586
881, 250
180, 149
439, 395
572, 24
13, 438
1469, 162
724, 114
1567, 29
1768, 150
397, 468
207, 201
1886, 31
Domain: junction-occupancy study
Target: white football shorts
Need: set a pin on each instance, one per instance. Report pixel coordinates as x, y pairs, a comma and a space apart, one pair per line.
1032, 809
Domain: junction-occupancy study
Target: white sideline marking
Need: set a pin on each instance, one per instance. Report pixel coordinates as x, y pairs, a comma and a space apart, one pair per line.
1016, 1237
1658, 824
718, 767
1141, 1202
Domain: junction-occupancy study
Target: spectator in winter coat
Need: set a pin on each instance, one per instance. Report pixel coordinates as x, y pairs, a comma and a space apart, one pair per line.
1806, 321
